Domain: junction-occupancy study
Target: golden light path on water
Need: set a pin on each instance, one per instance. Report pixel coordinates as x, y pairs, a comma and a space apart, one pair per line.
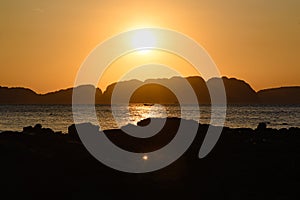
143, 111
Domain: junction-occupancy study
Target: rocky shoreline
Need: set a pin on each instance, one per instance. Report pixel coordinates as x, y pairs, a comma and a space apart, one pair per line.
245, 164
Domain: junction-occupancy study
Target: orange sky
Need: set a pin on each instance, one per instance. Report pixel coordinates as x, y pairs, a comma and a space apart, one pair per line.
43, 43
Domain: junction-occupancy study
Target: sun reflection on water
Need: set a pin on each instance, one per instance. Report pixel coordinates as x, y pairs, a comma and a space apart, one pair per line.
145, 157
139, 112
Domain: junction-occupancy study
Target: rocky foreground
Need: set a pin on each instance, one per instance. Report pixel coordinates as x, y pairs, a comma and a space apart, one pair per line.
245, 164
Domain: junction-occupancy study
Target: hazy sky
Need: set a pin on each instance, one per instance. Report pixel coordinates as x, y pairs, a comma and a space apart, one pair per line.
43, 43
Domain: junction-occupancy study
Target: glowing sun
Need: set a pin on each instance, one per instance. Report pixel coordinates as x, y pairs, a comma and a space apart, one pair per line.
143, 40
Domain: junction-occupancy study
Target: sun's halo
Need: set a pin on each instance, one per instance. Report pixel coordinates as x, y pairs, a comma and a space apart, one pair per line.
143, 39
143, 51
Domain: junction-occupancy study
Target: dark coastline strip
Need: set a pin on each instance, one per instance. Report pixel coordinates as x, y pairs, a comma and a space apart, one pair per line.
245, 164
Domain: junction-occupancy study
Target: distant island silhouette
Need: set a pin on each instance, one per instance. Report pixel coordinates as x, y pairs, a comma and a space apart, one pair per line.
151, 91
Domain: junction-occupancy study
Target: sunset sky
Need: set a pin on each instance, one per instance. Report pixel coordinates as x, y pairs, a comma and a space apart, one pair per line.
43, 43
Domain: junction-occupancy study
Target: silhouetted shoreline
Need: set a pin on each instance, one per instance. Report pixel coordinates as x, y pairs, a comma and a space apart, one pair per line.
245, 164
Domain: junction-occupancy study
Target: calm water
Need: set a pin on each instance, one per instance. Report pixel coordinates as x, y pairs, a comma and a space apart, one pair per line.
59, 117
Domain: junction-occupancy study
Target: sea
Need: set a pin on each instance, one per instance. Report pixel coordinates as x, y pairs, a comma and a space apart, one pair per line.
60, 117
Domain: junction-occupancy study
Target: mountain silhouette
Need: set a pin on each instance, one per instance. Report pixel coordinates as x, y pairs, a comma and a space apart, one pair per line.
153, 93
122, 90
18, 96
27, 96
282, 95
65, 96
156, 91
237, 91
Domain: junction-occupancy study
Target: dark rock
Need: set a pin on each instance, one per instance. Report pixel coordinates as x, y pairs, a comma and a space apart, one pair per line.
261, 126
144, 122
38, 127
283, 130
294, 129
73, 132
235, 168
27, 129
9, 132
87, 127
47, 131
